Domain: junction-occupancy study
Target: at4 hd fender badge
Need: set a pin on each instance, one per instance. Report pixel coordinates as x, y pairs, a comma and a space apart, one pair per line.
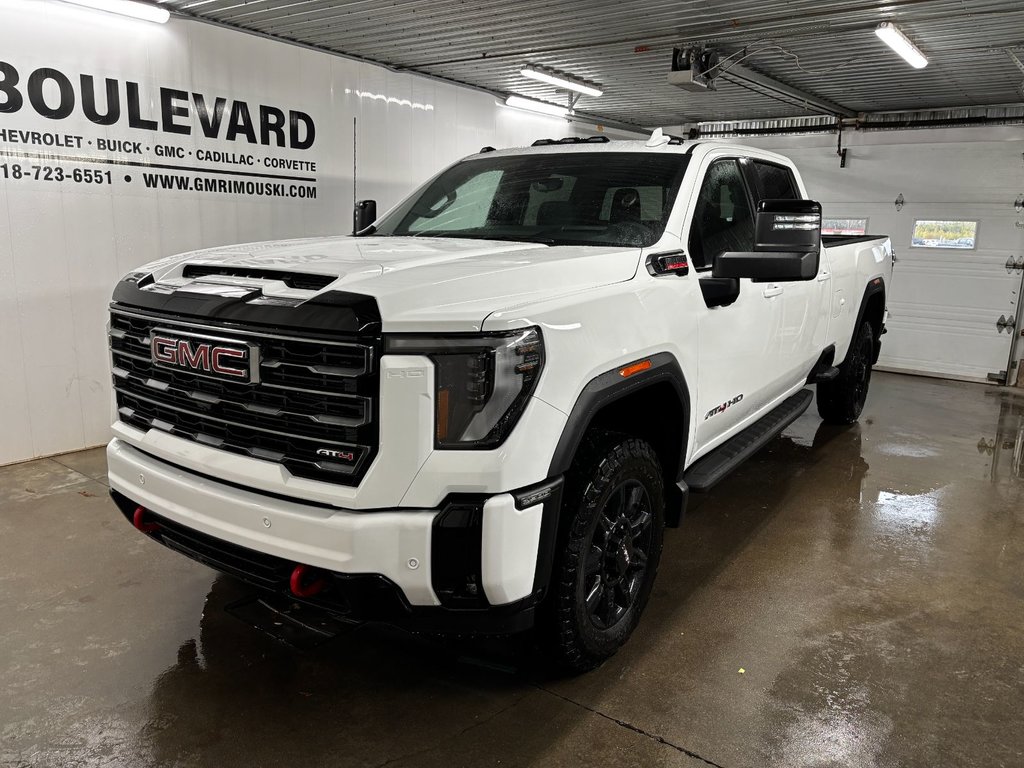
724, 406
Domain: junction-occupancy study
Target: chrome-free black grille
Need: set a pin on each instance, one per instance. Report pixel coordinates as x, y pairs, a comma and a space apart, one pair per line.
311, 409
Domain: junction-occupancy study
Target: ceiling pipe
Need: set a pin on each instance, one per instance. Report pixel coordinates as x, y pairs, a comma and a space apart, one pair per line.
783, 91
942, 122
703, 133
862, 123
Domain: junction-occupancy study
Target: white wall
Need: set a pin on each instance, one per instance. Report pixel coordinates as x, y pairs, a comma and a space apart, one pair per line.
63, 245
944, 303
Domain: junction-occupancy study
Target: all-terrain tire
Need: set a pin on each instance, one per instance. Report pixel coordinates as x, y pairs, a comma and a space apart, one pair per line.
609, 548
841, 400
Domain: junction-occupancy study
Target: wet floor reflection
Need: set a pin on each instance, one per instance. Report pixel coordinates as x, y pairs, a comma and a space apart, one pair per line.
867, 580
1006, 446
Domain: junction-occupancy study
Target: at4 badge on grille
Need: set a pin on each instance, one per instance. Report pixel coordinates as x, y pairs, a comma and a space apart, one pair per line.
216, 358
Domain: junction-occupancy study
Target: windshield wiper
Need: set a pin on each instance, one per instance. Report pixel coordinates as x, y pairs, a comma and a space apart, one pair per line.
502, 238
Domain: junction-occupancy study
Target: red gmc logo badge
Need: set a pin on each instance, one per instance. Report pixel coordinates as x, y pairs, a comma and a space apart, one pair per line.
206, 357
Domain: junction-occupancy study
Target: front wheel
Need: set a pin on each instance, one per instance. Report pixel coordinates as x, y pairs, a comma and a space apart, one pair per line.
841, 400
609, 550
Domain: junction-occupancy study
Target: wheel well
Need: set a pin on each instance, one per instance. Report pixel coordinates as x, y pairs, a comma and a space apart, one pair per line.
874, 313
655, 414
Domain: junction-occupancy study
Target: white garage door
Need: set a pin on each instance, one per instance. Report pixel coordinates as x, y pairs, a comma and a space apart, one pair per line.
944, 303
951, 309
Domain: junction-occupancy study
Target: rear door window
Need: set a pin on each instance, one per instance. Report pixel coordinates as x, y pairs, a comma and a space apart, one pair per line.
775, 182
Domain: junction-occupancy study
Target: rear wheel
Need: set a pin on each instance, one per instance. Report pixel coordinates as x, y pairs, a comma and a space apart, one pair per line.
609, 551
841, 400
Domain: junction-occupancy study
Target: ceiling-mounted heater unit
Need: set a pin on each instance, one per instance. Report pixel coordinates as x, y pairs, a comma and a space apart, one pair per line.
693, 69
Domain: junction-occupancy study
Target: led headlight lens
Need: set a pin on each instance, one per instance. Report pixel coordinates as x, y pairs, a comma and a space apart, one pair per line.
483, 382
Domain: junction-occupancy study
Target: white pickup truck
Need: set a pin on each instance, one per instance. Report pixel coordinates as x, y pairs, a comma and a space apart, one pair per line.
480, 413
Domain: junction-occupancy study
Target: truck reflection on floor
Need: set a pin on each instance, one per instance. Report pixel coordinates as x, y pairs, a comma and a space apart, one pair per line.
1006, 447
343, 693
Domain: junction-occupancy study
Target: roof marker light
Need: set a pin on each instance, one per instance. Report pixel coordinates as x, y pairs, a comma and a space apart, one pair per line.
892, 36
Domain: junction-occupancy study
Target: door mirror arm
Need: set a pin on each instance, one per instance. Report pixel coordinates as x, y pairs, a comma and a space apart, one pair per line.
719, 291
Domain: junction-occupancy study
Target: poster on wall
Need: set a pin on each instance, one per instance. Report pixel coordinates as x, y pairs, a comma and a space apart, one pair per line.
49, 121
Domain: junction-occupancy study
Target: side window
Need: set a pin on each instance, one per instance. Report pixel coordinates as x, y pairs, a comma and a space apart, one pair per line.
776, 182
465, 207
722, 219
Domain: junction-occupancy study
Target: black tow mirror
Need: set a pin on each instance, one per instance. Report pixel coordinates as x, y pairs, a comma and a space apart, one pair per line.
787, 226
787, 244
364, 215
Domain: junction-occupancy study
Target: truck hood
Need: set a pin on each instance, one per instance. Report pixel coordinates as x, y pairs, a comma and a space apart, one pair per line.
419, 283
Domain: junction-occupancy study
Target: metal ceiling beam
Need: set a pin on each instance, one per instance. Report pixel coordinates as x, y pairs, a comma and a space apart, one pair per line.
744, 76
1017, 61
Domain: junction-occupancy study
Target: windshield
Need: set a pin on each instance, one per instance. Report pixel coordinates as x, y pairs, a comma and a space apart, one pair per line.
592, 198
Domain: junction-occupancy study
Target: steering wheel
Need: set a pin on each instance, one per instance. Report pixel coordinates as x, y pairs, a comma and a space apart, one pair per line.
436, 208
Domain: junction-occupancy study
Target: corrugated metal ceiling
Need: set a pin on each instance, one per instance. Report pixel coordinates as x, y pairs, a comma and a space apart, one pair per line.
826, 49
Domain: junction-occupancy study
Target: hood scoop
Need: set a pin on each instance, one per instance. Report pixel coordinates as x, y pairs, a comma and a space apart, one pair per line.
302, 281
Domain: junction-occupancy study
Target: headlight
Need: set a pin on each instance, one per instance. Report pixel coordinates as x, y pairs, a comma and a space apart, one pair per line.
483, 382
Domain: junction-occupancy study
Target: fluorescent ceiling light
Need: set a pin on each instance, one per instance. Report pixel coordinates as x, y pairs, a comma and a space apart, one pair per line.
560, 82
536, 106
144, 11
895, 39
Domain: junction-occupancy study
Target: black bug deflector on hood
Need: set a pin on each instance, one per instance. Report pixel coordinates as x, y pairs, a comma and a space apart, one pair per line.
331, 312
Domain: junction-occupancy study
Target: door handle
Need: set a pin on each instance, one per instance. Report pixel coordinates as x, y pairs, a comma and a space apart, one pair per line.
772, 290
824, 275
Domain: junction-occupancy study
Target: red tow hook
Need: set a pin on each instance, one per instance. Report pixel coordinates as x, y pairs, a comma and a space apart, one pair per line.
138, 522
300, 575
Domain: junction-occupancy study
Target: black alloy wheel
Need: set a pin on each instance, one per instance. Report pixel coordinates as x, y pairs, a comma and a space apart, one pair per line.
616, 560
610, 539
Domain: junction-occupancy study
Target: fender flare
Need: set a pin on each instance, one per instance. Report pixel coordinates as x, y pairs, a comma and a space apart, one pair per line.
875, 285
609, 387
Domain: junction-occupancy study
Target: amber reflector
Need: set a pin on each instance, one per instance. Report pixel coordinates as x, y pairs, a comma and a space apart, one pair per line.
629, 370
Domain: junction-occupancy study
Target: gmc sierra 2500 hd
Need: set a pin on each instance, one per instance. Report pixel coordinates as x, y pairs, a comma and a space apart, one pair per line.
479, 414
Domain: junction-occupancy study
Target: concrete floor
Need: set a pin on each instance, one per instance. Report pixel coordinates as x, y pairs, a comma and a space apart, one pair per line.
870, 582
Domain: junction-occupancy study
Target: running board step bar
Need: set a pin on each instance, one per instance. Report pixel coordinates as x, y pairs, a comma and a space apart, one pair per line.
711, 469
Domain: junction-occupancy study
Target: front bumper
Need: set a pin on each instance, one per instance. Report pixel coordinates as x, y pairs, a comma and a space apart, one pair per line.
477, 563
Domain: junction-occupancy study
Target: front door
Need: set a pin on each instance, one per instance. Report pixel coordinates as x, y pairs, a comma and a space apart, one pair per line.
739, 372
